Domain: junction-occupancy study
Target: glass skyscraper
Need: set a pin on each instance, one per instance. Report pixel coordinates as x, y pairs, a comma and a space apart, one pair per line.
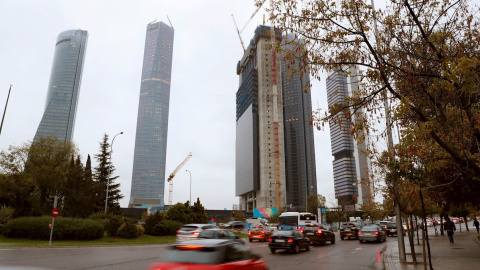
300, 168
64, 88
148, 176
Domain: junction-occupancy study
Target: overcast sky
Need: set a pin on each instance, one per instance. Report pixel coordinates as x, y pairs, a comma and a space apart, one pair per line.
202, 99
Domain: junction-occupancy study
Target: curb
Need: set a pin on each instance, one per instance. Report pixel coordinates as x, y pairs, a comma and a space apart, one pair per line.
382, 252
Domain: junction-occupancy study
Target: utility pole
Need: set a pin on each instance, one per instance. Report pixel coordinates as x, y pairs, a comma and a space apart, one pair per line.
1, 125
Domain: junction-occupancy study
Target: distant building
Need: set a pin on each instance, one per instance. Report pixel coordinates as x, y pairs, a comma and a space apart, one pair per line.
58, 118
350, 164
300, 164
259, 146
148, 176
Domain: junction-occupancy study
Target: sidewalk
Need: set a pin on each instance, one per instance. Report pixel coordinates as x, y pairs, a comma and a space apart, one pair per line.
464, 253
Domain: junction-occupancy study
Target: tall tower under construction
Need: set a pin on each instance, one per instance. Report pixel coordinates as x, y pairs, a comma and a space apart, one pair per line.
259, 146
148, 176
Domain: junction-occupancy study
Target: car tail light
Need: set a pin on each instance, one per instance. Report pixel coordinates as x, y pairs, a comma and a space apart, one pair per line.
290, 240
360, 233
190, 247
375, 232
195, 232
179, 232
269, 239
319, 231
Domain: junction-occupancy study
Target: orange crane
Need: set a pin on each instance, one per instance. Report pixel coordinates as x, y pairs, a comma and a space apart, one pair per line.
170, 178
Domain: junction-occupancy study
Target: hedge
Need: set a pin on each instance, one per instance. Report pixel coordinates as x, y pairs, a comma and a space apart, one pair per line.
64, 228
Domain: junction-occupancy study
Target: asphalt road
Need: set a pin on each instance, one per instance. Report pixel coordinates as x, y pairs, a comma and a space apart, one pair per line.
346, 254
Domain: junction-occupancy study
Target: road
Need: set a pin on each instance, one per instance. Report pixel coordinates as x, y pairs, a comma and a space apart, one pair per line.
346, 254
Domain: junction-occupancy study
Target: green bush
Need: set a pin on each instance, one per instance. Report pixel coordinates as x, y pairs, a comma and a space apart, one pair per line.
140, 230
151, 221
128, 230
166, 227
64, 228
113, 224
6, 214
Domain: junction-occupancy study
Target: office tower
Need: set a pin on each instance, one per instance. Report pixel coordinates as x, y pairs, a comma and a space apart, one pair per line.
350, 164
58, 118
259, 146
300, 169
148, 176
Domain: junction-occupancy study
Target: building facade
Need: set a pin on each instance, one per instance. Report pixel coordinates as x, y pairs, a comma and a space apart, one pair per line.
301, 179
148, 176
350, 165
259, 146
58, 118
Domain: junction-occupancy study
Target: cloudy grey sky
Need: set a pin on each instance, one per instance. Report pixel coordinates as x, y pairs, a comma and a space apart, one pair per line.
204, 83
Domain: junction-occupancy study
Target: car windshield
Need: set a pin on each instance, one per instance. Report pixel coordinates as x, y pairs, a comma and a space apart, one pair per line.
310, 229
392, 225
202, 256
188, 228
370, 228
282, 233
256, 229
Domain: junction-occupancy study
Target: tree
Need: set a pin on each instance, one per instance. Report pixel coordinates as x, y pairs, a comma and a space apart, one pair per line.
103, 175
312, 203
179, 212
421, 56
198, 212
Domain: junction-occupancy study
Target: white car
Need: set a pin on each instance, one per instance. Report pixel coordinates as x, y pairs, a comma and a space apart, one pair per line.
191, 231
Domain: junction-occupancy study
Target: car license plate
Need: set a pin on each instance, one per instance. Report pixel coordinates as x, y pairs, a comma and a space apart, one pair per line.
347, 230
279, 241
309, 233
392, 230
368, 234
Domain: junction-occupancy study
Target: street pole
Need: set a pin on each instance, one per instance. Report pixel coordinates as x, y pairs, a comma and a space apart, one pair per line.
108, 179
8, 97
53, 218
190, 186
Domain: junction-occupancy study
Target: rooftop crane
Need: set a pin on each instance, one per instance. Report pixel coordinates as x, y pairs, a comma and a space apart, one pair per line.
251, 17
170, 178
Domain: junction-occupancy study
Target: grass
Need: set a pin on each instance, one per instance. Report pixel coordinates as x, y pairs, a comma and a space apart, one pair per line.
104, 241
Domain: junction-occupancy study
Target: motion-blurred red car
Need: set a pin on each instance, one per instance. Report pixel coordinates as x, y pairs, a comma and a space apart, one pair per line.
211, 254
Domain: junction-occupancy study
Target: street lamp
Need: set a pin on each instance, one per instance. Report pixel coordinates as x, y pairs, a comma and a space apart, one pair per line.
108, 179
190, 186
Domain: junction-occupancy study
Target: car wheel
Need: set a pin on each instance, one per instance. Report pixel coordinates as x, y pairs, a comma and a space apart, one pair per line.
272, 250
250, 239
361, 241
296, 249
308, 246
333, 240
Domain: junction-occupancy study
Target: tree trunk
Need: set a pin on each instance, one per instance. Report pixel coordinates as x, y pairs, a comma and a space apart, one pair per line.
466, 224
410, 239
441, 225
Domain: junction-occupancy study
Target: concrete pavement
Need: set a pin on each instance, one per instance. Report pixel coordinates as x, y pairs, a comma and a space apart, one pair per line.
464, 253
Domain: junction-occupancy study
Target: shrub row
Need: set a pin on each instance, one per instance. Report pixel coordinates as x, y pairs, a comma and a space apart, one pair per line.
64, 228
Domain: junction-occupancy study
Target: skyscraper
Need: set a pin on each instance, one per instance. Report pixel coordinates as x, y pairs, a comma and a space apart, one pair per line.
58, 118
350, 164
300, 166
148, 176
259, 145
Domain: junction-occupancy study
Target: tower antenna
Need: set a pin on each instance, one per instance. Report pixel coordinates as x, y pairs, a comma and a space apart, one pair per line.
169, 21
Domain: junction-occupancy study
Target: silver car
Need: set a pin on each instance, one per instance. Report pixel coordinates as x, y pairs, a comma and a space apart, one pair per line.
372, 233
191, 231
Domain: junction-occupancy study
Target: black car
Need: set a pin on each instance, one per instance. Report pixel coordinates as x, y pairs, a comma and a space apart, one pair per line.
390, 229
292, 240
217, 234
318, 234
349, 230
372, 233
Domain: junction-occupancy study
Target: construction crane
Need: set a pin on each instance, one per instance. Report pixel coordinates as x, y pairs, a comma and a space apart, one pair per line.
239, 32
170, 178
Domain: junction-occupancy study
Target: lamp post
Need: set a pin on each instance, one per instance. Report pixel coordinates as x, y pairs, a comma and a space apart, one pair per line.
108, 179
190, 186
6, 104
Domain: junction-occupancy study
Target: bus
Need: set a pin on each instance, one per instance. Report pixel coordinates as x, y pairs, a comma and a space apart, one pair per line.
295, 220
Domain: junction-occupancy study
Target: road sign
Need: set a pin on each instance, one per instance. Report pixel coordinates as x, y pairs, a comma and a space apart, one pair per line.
54, 212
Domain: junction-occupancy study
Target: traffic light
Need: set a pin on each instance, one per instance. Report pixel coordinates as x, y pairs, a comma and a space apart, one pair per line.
233, 213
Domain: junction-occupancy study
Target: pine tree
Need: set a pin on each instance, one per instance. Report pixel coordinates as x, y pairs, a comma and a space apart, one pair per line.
103, 175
